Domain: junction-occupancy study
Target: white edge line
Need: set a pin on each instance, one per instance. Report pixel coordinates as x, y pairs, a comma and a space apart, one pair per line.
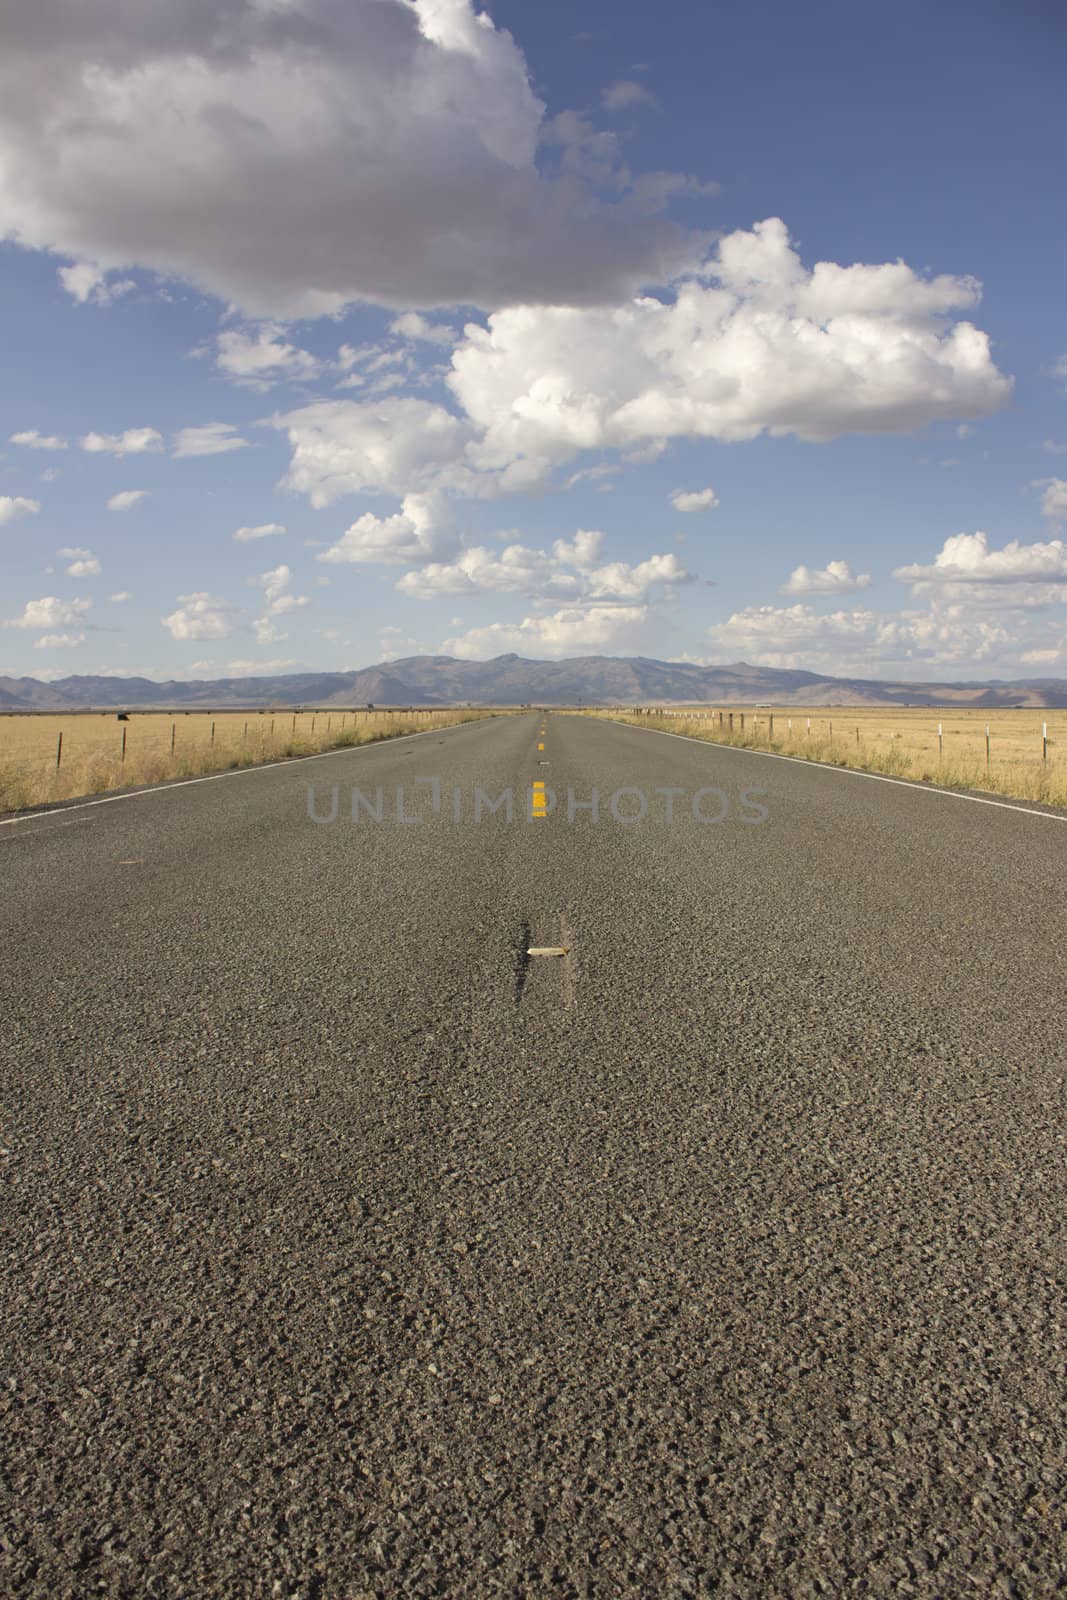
214, 777
850, 772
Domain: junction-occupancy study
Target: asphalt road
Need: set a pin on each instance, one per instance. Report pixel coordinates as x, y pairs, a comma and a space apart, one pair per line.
347, 1251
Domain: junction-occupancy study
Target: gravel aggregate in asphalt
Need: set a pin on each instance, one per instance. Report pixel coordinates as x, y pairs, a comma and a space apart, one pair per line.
349, 1251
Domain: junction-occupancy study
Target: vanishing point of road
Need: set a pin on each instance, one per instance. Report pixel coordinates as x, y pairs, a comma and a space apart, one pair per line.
348, 1250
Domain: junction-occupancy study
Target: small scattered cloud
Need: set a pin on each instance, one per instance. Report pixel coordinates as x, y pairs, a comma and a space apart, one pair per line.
134, 442
694, 499
209, 439
32, 440
570, 571
862, 641
51, 612
625, 94
126, 499
247, 668
265, 530
412, 325
121, 597
17, 506
560, 633
58, 641
263, 358
837, 577
1054, 499
278, 602
83, 564
200, 616
88, 284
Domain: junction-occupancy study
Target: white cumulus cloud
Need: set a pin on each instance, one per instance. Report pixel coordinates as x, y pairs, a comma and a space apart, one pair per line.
861, 643
694, 500
134, 442
83, 564
51, 612
200, 616
560, 633
126, 499
1054, 499
412, 325
758, 344
567, 572
837, 577
421, 531
395, 446
16, 506
87, 283
966, 561
277, 602
260, 359
58, 641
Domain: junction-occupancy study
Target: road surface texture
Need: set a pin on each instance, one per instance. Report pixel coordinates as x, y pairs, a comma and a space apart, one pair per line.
348, 1251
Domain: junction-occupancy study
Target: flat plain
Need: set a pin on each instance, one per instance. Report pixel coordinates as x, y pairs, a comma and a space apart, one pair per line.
100, 752
1025, 759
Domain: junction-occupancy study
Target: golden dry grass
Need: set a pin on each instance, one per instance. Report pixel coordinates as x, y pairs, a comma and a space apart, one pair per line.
899, 741
92, 760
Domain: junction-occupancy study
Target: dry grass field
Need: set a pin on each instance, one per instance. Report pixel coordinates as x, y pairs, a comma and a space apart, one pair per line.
36, 769
898, 741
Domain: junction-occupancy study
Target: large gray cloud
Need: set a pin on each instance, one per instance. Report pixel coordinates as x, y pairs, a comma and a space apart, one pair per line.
292, 156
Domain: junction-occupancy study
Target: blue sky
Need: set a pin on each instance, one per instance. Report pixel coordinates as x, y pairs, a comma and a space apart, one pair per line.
341, 330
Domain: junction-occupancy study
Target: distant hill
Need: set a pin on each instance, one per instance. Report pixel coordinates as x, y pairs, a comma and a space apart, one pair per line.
511, 680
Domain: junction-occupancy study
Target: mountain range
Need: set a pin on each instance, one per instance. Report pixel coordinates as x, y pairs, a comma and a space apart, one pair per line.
511, 680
